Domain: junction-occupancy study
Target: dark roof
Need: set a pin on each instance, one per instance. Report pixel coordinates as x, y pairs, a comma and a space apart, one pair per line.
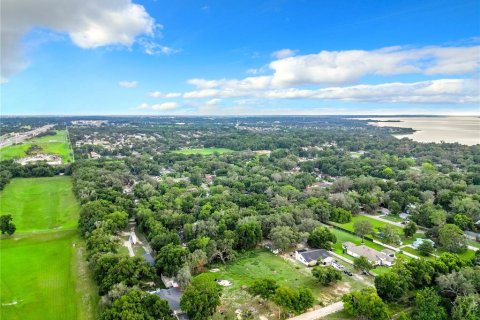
172, 296
313, 255
148, 257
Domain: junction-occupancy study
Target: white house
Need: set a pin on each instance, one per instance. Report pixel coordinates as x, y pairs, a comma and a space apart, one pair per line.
385, 257
419, 241
312, 257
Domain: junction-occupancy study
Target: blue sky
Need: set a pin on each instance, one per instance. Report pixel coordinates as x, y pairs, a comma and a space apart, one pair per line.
245, 57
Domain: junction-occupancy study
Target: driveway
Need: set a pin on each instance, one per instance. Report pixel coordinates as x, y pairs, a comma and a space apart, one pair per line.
319, 313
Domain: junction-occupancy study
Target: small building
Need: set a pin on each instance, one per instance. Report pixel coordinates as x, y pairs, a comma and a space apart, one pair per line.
313, 257
419, 241
149, 259
172, 296
385, 257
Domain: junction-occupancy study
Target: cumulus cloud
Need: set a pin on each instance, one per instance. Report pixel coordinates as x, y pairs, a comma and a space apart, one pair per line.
128, 84
341, 67
431, 91
158, 94
88, 23
284, 53
150, 47
333, 72
158, 106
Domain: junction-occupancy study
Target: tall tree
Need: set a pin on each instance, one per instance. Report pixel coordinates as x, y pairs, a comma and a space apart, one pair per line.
201, 298
362, 228
6, 224
427, 306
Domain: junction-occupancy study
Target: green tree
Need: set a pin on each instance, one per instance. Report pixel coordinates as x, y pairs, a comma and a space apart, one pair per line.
248, 234
293, 300
362, 228
451, 237
6, 224
362, 263
170, 259
427, 306
264, 288
201, 298
466, 308
389, 234
137, 305
391, 286
410, 229
425, 248
326, 275
463, 221
283, 237
365, 304
321, 237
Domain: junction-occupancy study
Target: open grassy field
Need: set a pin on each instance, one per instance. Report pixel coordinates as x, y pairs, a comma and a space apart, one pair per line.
44, 274
263, 264
375, 223
57, 144
203, 151
40, 203
44, 278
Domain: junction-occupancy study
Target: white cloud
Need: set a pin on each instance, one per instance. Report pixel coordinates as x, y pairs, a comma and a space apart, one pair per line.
128, 84
159, 106
88, 23
143, 106
284, 53
158, 94
165, 106
213, 102
152, 48
340, 67
431, 91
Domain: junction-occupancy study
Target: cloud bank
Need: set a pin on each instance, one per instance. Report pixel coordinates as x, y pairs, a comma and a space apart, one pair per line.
337, 76
88, 23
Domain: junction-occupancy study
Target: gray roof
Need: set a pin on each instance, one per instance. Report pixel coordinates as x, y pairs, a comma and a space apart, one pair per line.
149, 259
172, 296
313, 255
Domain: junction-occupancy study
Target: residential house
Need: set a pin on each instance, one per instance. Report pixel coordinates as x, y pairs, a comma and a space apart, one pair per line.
385, 257
172, 296
313, 257
419, 241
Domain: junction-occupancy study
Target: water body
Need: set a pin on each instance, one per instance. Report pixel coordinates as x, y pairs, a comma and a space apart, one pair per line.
464, 130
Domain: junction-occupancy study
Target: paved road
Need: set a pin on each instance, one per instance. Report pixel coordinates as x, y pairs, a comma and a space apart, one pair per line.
319, 313
20, 137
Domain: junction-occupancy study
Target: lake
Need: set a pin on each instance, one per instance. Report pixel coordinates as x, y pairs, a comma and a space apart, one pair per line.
464, 130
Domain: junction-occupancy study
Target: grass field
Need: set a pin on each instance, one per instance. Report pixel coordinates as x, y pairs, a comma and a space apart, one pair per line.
42, 278
263, 264
375, 223
57, 144
203, 151
44, 274
40, 203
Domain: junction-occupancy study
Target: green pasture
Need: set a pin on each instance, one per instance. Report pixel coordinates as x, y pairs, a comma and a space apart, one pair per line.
203, 151
57, 144
43, 276
40, 203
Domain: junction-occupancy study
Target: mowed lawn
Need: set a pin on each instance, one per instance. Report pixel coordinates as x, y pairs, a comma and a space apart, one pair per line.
261, 264
42, 277
203, 151
57, 144
40, 203
375, 223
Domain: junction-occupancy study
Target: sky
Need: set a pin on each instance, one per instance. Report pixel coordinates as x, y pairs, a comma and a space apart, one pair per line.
252, 57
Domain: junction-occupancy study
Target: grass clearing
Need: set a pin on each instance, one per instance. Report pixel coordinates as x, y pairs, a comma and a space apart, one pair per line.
38, 204
44, 274
260, 264
203, 151
42, 277
375, 223
57, 144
